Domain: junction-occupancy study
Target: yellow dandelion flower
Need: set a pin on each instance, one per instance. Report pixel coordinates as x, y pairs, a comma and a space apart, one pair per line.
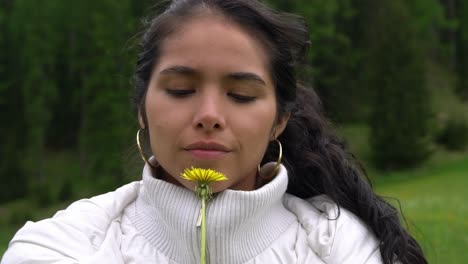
203, 176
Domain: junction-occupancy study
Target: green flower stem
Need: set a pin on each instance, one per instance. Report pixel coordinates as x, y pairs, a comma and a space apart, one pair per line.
203, 231
203, 177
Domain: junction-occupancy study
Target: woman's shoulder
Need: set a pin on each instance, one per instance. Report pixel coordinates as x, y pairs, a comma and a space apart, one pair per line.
335, 234
74, 232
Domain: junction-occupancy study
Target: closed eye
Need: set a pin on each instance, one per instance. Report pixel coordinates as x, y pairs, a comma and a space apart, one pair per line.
242, 98
180, 93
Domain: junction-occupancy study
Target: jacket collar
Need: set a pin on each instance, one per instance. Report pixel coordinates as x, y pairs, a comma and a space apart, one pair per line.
240, 224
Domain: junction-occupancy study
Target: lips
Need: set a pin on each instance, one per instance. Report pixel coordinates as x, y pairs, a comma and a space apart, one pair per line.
207, 146
207, 150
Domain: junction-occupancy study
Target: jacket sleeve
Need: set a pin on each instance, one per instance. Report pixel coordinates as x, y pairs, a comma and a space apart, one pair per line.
336, 238
353, 241
83, 233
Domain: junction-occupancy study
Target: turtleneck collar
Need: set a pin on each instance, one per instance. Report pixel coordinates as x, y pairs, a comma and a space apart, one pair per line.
240, 224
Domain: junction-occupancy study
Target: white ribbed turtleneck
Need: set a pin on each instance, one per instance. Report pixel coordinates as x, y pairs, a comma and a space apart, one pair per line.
240, 224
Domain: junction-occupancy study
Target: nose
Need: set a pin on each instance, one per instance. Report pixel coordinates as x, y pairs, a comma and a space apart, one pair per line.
209, 113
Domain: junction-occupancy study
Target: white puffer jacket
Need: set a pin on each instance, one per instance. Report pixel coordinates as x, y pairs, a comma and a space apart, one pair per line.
153, 221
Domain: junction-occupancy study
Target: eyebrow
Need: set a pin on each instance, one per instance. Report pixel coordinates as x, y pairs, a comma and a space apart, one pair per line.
246, 76
236, 76
182, 70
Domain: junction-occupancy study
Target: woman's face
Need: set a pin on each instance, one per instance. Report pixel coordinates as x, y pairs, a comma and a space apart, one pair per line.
211, 103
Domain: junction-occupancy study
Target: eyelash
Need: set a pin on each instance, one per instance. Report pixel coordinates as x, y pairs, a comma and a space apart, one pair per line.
183, 93
180, 93
242, 98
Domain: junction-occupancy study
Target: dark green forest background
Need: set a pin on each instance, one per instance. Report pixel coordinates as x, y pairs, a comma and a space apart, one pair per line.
67, 123
392, 74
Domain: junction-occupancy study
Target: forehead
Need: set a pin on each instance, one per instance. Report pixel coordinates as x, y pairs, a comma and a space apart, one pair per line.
214, 39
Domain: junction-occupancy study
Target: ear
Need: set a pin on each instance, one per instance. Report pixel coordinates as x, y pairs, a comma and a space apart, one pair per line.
140, 120
280, 125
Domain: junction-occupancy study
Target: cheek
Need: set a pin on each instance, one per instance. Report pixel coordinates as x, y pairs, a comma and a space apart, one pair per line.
164, 120
154, 114
264, 118
159, 110
254, 130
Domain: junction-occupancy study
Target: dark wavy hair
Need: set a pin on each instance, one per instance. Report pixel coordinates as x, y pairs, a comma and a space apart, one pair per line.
316, 158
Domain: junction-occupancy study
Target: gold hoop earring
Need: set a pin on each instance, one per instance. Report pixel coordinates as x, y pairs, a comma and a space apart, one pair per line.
142, 154
277, 165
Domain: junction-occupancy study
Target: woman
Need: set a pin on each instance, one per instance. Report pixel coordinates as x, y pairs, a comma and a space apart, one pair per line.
216, 88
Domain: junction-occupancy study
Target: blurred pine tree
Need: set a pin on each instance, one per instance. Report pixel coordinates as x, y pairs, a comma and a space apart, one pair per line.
107, 122
461, 49
401, 102
12, 132
33, 36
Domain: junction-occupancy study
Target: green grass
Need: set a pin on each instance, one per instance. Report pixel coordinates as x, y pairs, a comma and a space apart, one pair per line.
6, 233
434, 204
433, 197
